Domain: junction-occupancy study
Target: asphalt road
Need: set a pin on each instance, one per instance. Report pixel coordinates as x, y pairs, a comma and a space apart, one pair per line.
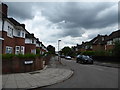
89, 76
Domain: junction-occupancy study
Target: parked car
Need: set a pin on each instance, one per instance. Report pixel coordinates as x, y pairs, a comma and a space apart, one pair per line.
84, 59
62, 56
68, 57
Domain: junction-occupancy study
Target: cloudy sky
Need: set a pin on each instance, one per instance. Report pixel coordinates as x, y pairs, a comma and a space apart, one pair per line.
70, 22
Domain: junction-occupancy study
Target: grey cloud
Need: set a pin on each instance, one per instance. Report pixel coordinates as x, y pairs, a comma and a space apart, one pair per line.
76, 15
81, 14
21, 10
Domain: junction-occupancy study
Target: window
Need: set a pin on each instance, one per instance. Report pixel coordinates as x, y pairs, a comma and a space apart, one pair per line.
19, 33
8, 49
33, 51
10, 32
102, 38
109, 43
17, 50
32, 40
22, 34
22, 49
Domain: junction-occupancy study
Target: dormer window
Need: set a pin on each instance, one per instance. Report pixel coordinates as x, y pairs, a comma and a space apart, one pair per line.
32, 40
22, 34
19, 33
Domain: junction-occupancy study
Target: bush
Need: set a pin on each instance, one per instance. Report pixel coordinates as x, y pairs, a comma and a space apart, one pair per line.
116, 49
26, 56
7, 56
88, 53
97, 53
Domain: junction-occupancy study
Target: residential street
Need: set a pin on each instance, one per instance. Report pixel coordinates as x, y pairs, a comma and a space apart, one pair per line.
89, 76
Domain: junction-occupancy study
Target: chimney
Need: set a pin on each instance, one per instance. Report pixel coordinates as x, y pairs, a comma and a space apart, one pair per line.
23, 25
82, 42
4, 10
32, 34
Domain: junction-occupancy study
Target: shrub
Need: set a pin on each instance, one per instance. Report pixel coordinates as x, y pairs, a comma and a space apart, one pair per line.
88, 53
97, 53
26, 56
116, 49
7, 56
37, 51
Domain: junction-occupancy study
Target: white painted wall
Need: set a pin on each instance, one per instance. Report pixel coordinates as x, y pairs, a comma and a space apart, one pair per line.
28, 40
15, 31
0, 24
6, 24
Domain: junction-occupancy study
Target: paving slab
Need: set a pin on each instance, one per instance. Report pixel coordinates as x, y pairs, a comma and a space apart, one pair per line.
26, 80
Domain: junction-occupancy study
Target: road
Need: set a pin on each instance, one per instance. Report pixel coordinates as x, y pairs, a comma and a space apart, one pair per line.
89, 76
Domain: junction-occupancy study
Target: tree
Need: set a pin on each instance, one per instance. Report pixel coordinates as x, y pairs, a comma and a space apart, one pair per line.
51, 49
116, 49
66, 51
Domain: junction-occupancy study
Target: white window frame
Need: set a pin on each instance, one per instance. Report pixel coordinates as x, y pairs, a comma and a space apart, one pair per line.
19, 33
10, 32
23, 34
22, 49
17, 51
9, 48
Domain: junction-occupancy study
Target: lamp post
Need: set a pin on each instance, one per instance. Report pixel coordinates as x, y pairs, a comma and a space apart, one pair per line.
58, 51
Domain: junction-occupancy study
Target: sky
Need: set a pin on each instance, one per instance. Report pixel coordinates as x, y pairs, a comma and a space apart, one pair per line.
70, 22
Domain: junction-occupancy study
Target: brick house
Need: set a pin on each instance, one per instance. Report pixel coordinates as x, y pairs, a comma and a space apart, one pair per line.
12, 33
113, 37
96, 44
14, 38
38, 46
99, 42
30, 43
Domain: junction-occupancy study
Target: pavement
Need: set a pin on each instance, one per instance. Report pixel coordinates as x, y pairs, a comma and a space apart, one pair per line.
51, 74
107, 64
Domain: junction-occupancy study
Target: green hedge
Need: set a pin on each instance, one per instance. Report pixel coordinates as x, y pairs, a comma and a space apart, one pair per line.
97, 53
7, 56
21, 56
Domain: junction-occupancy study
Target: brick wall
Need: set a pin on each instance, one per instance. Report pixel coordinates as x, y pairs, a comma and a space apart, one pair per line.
8, 41
11, 41
16, 65
29, 47
98, 47
109, 47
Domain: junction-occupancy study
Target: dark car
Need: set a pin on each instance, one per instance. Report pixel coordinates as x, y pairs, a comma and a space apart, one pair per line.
84, 59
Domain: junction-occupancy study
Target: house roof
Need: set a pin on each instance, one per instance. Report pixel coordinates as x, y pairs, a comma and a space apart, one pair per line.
29, 35
16, 23
100, 39
115, 34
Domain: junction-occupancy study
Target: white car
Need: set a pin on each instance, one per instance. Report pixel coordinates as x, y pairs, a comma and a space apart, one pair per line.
68, 57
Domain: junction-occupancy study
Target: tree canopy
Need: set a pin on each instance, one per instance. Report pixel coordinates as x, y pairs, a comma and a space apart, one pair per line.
51, 49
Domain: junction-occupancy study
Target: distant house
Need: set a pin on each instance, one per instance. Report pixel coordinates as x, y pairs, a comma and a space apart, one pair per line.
96, 44
30, 43
44, 49
99, 42
113, 37
38, 46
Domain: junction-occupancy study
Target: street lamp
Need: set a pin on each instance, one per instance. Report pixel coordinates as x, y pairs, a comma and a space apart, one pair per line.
58, 50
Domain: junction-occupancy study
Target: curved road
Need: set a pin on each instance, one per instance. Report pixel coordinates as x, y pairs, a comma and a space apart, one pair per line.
89, 76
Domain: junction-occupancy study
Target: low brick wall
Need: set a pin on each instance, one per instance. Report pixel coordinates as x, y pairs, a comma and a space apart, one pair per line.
17, 65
